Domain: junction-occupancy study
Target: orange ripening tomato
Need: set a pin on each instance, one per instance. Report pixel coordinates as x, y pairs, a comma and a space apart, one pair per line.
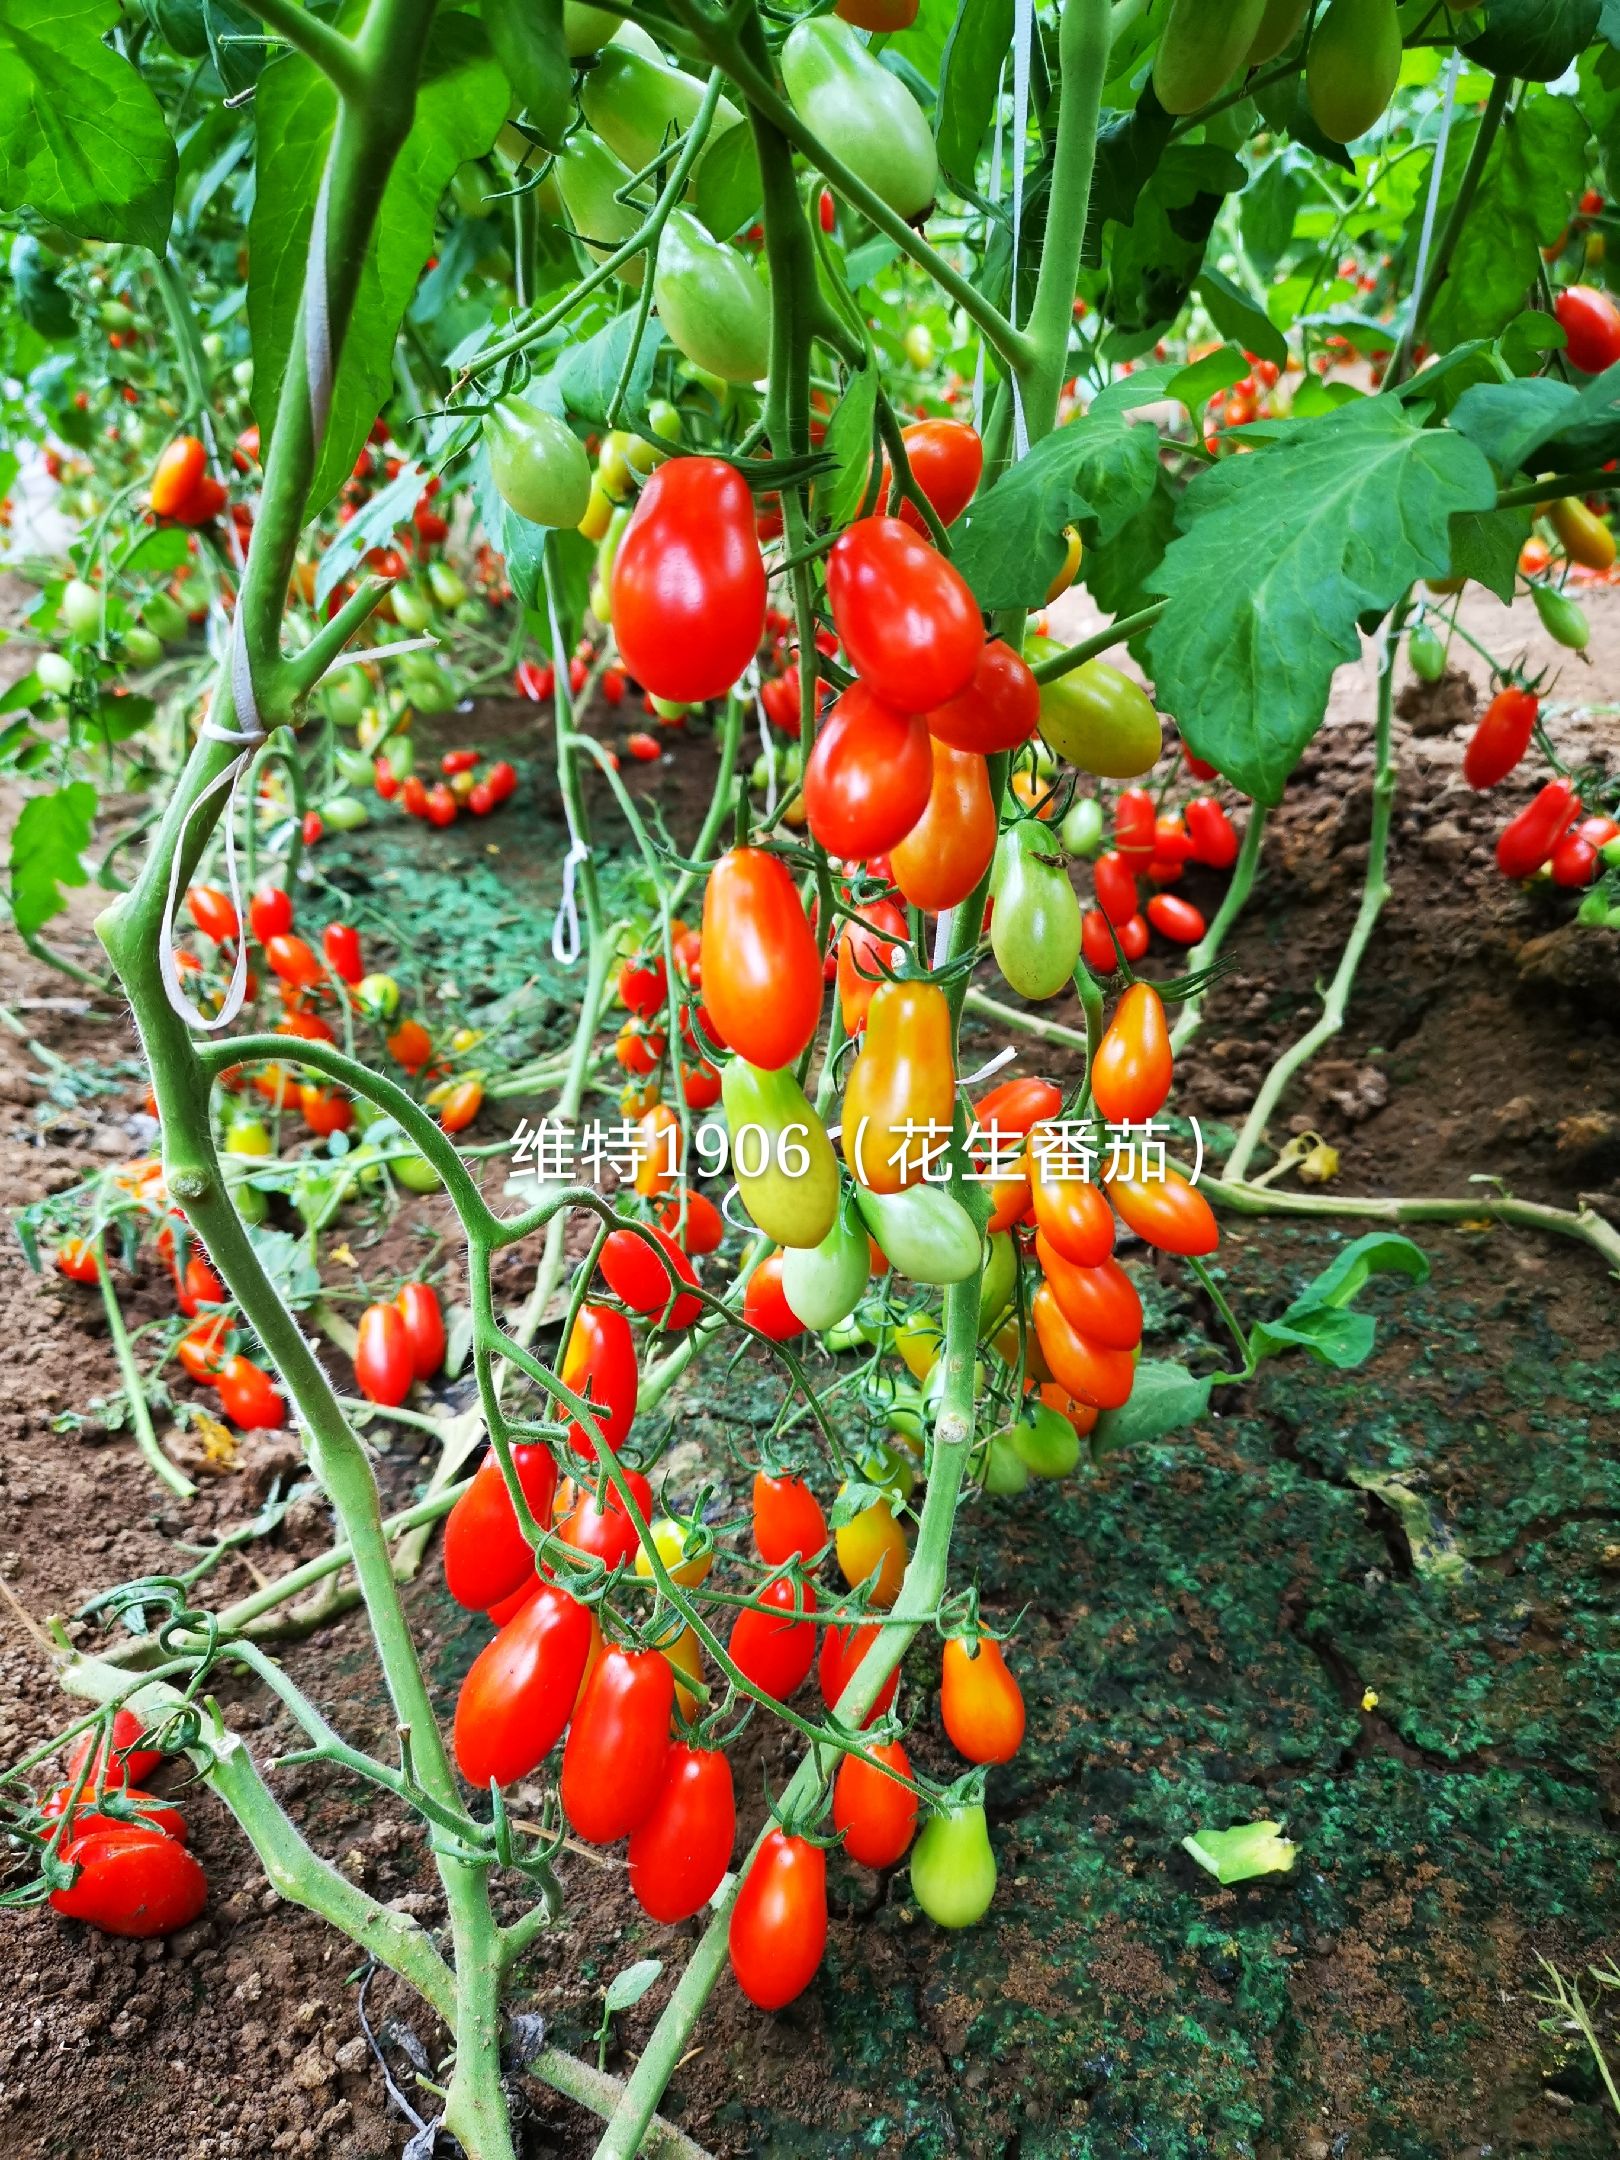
761, 968
877, 1814
600, 1367
999, 709
658, 1151
904, 1076
1071, 1211
1167, 1213
1018, 1106
211, 910
1084, 1368
980, 1701
410, 1045
176, 476
878, 934
948, 850
1132, 1071
946, 459
461, 1105
1082, 1416
1098, 1302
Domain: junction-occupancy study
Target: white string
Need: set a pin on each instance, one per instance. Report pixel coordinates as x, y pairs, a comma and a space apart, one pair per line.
318, 318
362, 653
566, 943
942, 938
991, 1065
995, 197
1432, 205
1023, 25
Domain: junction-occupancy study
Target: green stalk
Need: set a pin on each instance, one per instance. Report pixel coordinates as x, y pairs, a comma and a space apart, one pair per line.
135, 1394
1233, 902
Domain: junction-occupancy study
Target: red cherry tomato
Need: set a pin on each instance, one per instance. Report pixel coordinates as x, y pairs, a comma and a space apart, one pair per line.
1574, 861
776, 1653
877, 1816
519, 1691
123, 1762
761, 966
634, 1273
946, 459
779, 1922
1527, 840
424, 1327
1131, 1073
249, 1396
788, 1521
293, 961
1115, 886
384, 1365
877, 934
842, 1649
1213, 836
1501, 738
765, 1304
867, 780
600, 1365
688, 584
904, 615
1135, 814
1167, 1213
618, 1744
212, 912
1175, 918
1590, 322
705, 1227
1098, 1302
948, 850
341, 944
681, 1849
999, 709
132, 1881
1084, 1369
604, 1529
486, 1556
151, 1813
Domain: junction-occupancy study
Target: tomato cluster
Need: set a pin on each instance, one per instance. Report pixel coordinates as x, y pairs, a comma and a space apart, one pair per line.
117, 1857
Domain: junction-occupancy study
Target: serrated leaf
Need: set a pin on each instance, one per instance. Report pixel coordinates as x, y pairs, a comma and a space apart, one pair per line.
121, 717
1165, 1398
1009, 544
47, 843
628, 1987
729, 190
1512, 421
1521, 206
970, 78
1153, 261
460, 106
588, 373
1243, 1852
527, 39
1534, 39
1264, 604
849, 441
1195, 385
1239, 316
372, 525
1319, 1320
162, 549
1485, 547
83, 142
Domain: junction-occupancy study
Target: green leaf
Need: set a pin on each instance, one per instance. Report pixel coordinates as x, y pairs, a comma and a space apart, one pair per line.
47, 843
1521, 207
1008, 543
1117, 576
1165, 1399
1485, 546
975, 52
1511, 422
627, 1988
1239, 316
372, 525
1195, 385
1535, 39
588, 373
1242, 1852
1280, 555
459, 109
1153, 261
527, 39
121, 717
1271, 204
42, 300
162, 549
730, 193
849, 441
1319, 1320
83, 141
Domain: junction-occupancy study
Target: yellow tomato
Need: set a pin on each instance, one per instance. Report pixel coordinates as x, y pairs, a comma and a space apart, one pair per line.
671, 1541
872, 1544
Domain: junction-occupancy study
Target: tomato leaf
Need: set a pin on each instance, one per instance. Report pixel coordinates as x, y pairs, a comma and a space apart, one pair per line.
1534, 39
970, 76
47, 844
588, 374
1521, 207
1166, 1398
849, 441
459, 109
1320, 1321
1239, 316
626, 1989
1485, 546
729, 189
163, 548
1194, 385
1009, 544
528, 42
1242, 1852
1512, 422
1244, 661
372, 525
83, 141
1153, 261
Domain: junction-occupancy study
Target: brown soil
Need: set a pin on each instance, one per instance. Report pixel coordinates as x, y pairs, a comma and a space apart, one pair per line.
1475, 1046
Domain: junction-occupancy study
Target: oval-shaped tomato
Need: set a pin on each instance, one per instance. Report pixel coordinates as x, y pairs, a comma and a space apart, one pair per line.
903, 1080
384, 1365
201, 1350
871, 1548
1176, 918
688, 582
1070, 1211
211, 910
1501, 737
341, 944
788, 1522
980, 1701
704, 1229
76, 1259
1213, 836
294, 961
418, 1307
604, 1528
1115, 886
249, 1396
761, 967
1100, 720
122, 1761
132, 1881
618, 1744
765, 1302
867, 779
949, 849
1131, 1073
842, 1650
1098, 1302
953, 1870
876, 1813
634, 1271
600, 1365
781, 1157
1353, 66
1167, 1213
774, 1643
178, 479
946, 459
681, 1849
1086, 1369
713, 307
779, 1923
1526, 841
905, 617
537, 462
864, 114
486, 1555
520, 1689
1591, 325
999, 709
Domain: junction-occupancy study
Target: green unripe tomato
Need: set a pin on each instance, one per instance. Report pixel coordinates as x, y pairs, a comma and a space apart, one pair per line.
588, 178
251, 1204
115, 316
1005, 1471
242, 375
377, 996
1610, 852
1353, 66
1097, 718
632, 100
823, 1283
669, 708
56, 673
346, 695
427, 685
1201, 47
354, 768
587, 29
447, 585
1047, 1443
213, 346
1427, 653
166, 616
1563, 619
996, 1288
142, 648
1593, 910
81, 608
344, 813
918, 345
953, 1870
1035, 932
249, 1136
1082, 828
415, 1173
864, 114
413, 610
715, 309
538, 463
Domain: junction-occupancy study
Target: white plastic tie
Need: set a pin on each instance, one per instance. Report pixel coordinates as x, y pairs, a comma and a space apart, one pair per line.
1023, 30
991, 1065
566, 943
318, 318
995, 197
